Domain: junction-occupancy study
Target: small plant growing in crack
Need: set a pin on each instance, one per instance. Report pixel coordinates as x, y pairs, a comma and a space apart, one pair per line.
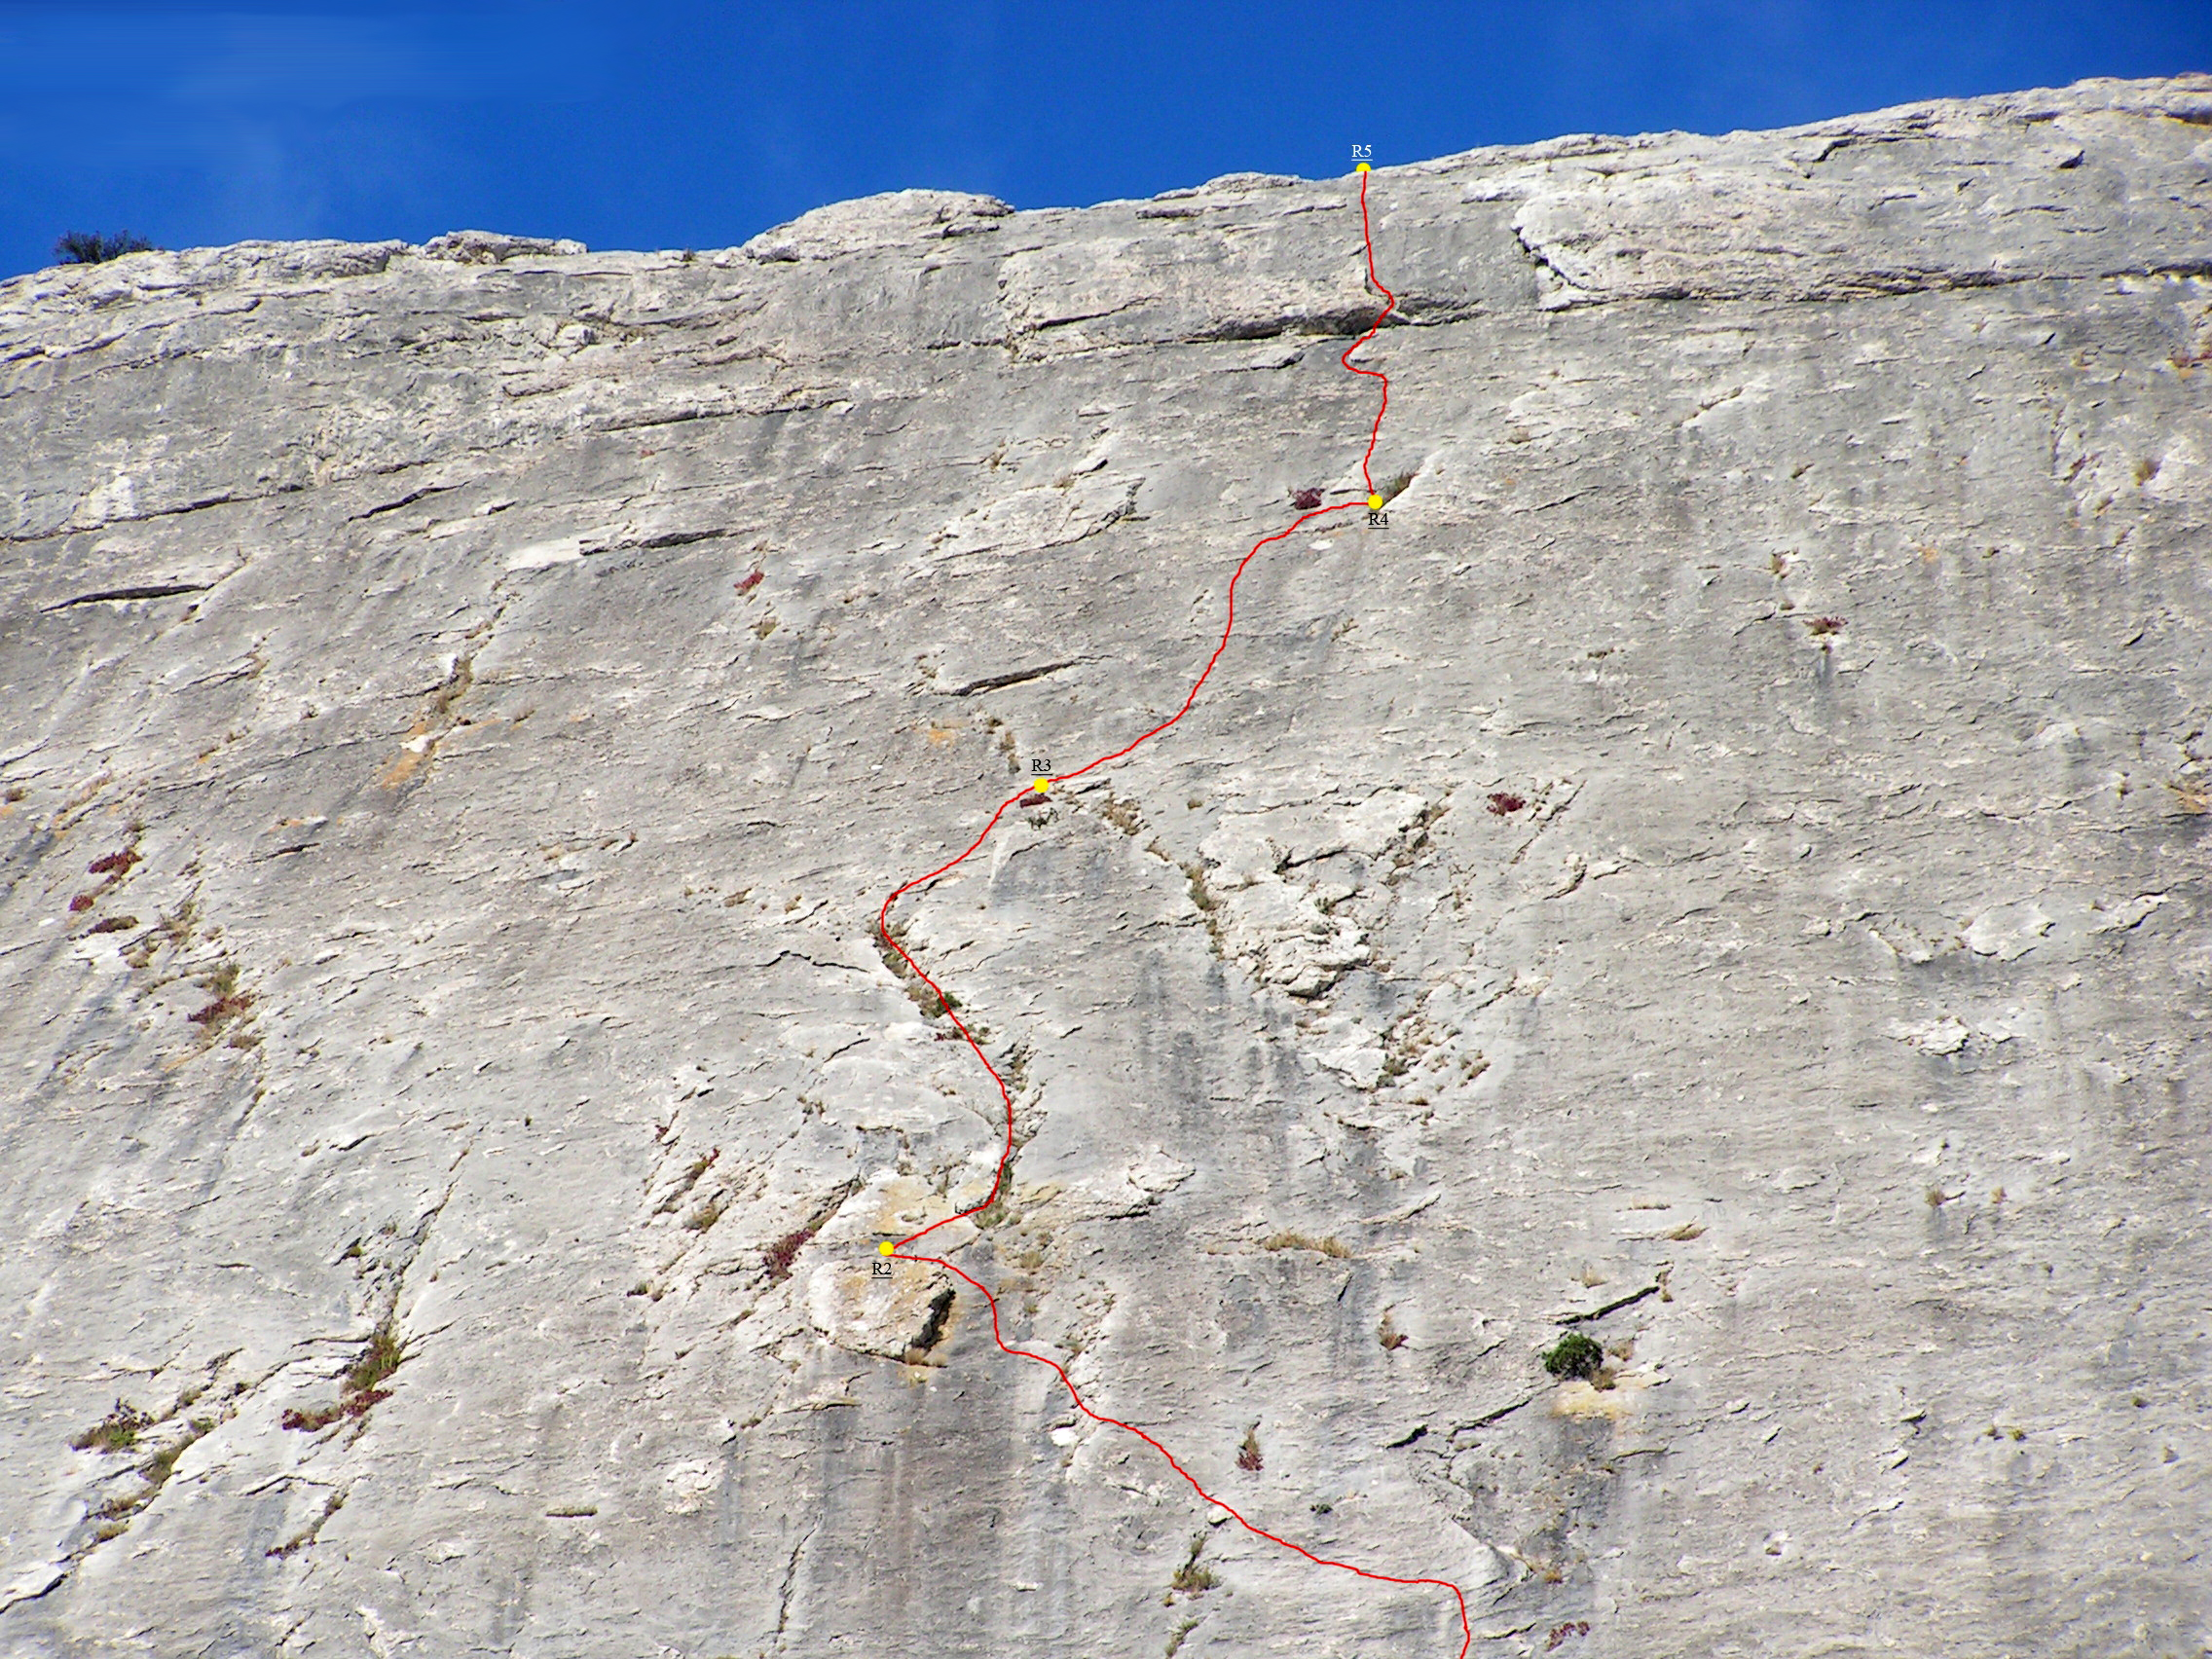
704, 1217
115, 1514
299, 1541
1119, 814
1503, 803
361, 1385
118, 1431
932, 1328
1248, 1456
1210, 907
780, 1255
229, 1002
690, 1179
380, 1357
180, 924
1331, 1246
933, 1005
1388, 1335
1192, 1579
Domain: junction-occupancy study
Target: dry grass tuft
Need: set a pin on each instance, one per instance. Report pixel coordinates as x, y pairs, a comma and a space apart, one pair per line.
118, 1431
1192, 1579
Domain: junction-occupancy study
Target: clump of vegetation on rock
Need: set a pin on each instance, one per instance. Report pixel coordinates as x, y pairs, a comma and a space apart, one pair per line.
1248, 1456
1575, 1355
358, 1389
90, 247
1192, 1579
118, 1431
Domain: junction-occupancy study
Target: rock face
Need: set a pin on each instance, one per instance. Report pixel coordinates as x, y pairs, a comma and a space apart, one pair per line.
1721, 871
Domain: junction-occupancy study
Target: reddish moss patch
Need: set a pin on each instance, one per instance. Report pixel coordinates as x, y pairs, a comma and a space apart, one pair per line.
785, 1251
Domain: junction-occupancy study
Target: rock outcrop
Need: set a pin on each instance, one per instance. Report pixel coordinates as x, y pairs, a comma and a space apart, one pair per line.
1721, 871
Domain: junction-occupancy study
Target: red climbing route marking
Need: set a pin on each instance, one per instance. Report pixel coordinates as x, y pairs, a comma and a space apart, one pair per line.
1029, 795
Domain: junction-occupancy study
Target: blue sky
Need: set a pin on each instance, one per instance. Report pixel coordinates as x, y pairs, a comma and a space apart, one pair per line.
662, 123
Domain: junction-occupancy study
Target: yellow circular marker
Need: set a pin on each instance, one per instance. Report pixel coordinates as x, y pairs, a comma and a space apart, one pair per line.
885, 1248
1042, 785
1374, 504
1363, 168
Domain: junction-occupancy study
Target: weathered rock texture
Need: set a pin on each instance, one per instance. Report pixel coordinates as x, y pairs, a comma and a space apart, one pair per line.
1721, 871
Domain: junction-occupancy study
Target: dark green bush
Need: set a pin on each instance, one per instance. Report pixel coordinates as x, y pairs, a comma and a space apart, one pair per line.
90, 247
1574, 1356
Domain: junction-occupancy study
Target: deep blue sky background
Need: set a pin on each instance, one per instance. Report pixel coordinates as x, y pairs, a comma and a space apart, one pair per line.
666, 123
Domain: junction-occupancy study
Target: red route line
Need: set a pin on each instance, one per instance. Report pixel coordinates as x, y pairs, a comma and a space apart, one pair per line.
1005, 1154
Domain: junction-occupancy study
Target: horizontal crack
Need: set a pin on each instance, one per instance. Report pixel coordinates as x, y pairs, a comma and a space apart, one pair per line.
153, 590
998, 681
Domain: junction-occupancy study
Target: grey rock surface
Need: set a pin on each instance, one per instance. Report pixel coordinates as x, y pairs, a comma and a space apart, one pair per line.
1722, 872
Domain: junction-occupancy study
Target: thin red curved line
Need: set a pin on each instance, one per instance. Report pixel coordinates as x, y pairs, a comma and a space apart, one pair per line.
1005, 1154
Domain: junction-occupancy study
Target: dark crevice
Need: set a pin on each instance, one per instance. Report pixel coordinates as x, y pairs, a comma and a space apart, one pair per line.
1543, 266
932, 1328
1614, 1307
153, 590
1017, 677
407, 500
1489, 1418
160, 513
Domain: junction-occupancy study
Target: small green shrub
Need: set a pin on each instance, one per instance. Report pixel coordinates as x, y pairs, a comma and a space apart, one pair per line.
90, 247
1574, 1356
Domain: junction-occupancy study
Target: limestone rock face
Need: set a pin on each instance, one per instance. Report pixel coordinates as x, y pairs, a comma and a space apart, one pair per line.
1722, 870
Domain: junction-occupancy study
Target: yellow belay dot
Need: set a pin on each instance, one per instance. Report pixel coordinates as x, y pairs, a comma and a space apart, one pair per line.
886, 1248
1042, 785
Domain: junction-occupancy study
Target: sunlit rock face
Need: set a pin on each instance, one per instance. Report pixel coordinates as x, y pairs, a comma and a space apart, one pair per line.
1720, 871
